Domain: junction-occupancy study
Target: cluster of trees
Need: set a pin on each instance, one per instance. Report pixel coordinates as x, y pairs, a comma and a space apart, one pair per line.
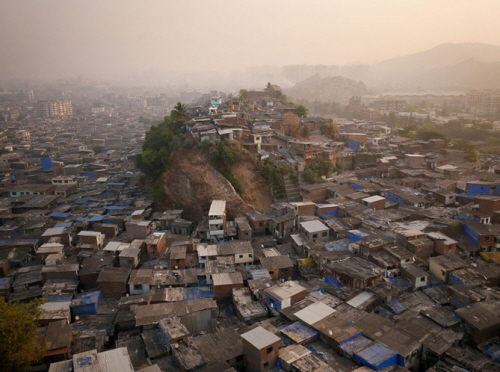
330, 130
144, 120
458, 136
322, 167
160, 141
423, 132
274, 177
19, 346
469, 148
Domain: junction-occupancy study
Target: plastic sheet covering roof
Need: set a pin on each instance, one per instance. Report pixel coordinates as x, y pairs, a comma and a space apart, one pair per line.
339, 245
377, 354
351, 346
299, 333
396, 306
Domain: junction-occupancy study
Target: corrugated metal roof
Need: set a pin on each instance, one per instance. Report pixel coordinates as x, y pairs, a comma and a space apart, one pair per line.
260, 337
314, 313
360, 299
227, 278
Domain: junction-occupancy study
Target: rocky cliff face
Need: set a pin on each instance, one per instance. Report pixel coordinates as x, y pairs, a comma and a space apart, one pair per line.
191, 184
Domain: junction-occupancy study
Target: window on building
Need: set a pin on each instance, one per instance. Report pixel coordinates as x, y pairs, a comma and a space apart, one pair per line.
137, 286
271, 272
249, 255
266, 364
241, 256
422, 279
323, 234
269, 350
315, 236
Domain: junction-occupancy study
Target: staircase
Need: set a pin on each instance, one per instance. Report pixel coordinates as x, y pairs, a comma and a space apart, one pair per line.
292, 190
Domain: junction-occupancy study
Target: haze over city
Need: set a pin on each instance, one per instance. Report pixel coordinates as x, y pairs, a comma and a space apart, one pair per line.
55, 38
249, 186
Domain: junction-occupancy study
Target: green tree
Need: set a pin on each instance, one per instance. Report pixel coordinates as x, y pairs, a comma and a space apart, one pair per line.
244, 95
301, 111
97, 149
310, 176
179, 113
469, 148
19, 347
306, 132
158, 194
321, 167
329, 130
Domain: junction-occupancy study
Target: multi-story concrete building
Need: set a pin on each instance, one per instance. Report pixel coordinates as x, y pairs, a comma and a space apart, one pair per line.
483, 101
217, 220
54, 108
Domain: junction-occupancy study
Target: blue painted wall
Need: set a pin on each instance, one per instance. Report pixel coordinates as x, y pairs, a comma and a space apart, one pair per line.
471, 234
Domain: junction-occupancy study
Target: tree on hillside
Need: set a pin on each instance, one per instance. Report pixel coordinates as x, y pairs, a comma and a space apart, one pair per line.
179, 113
313, 173
301, 111
244, 94
19, 347
330, 130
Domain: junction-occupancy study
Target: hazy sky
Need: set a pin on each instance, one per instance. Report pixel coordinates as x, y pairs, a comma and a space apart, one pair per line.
58, 38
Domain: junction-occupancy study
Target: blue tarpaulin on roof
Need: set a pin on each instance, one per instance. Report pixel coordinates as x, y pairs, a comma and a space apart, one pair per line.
396, 306
400, 283
60, 215
115, 208
492, 349
96, 218
355, 344
64, 224
35, 200
88, 174
334, 281
338, 246
305, 333
377, 356
356, 235
7, 241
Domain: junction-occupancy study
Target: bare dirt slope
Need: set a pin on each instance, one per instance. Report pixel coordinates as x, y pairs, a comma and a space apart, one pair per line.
192, 183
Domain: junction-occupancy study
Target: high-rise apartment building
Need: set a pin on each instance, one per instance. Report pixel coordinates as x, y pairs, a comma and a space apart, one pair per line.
54, 108
483, 101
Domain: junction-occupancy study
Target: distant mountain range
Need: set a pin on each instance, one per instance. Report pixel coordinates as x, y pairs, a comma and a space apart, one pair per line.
325, 89
446, 67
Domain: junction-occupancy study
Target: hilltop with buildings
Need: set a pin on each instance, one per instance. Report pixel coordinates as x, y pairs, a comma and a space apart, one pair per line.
268, 239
